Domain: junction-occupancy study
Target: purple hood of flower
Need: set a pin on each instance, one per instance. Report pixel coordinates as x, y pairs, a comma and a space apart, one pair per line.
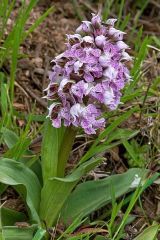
88, 75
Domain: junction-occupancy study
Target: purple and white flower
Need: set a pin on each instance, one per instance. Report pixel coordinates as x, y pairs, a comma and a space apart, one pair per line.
88, 76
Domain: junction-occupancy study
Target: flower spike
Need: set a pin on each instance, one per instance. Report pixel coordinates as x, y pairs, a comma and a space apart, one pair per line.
88, 76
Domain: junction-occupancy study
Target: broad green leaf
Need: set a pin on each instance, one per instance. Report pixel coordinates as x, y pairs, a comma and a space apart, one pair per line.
56, 191
39, 234
3, 187
9, 137
17, 233
20, 145
91, 195
149, 233
9, 217
65, 150
52, 138
25, 182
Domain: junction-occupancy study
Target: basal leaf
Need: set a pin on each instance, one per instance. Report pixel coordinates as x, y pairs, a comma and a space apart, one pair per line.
149, 233
9, 137
9, 216
56, 191
17, 233
52, 138
91, 195
39, 234
25, 182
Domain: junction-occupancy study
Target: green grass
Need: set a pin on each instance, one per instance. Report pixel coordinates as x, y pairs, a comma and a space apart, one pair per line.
9, 50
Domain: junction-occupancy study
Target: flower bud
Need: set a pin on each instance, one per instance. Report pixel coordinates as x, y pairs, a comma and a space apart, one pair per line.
105, 59
100, 40
121, 45
111, 21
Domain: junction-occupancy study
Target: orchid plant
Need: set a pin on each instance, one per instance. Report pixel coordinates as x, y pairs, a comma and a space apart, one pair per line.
85, 82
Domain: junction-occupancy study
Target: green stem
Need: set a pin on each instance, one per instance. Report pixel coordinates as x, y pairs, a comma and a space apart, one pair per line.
66, 147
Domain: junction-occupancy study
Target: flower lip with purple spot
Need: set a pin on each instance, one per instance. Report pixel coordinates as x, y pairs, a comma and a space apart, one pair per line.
88, 75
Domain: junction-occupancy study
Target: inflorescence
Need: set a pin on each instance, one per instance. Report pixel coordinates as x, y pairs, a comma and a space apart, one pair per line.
88, 75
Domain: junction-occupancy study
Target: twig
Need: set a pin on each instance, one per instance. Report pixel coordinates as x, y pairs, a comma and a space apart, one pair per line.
45, 70
21, 88
34, 96
153, 47
155, 3
36, 140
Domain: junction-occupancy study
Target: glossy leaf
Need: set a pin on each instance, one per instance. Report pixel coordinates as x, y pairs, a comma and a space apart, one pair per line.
91, 195
149, 233
39, 234
56, 191
9, 137
52, 138
9, 217
25, 182
65, 150
17, 233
